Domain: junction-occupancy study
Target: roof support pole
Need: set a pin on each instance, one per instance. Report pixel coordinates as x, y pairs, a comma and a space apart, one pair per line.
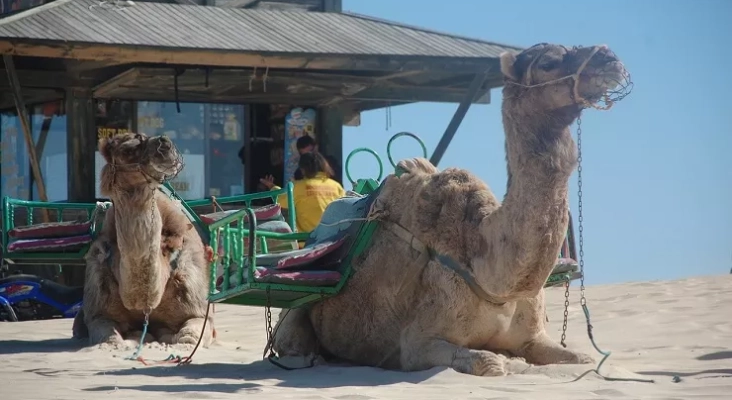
25, 125
457, 118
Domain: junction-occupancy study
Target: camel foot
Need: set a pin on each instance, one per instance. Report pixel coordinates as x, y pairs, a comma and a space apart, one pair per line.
137, 335
441, 353
192, 330
295, 334
544, 351
104, 331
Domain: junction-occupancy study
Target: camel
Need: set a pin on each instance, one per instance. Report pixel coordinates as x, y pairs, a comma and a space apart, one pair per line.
147, 262
452, 277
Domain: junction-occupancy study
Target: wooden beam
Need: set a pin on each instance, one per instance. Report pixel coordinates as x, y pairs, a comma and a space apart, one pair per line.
228, 58
104, 89
25, 125
457, 118
38, 79
233, 85
30, 96
417, 94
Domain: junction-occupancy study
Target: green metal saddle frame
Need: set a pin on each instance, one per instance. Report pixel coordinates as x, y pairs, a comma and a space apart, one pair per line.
231, 232
278, 295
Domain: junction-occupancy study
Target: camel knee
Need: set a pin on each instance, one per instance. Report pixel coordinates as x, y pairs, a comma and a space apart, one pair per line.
543, 350
79, 330
194, 330
103, 330
419, 355
294, 334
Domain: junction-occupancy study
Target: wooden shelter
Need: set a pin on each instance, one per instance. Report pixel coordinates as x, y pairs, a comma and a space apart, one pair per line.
99, 67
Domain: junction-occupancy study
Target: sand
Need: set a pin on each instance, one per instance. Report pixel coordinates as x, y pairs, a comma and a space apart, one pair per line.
678, 333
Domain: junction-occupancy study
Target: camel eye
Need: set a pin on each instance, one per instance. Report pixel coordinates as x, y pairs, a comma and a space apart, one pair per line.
549, 65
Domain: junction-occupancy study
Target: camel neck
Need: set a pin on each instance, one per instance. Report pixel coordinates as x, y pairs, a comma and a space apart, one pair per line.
524, 235
540, 151
139, 224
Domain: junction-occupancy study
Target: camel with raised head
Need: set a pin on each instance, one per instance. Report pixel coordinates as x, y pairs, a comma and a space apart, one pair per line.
453, 277
147, 262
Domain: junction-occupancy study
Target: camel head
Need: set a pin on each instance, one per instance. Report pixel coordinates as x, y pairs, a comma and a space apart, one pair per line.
548, 77
134, 160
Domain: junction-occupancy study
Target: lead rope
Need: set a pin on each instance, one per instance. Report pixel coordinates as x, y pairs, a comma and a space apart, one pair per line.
583, 299
172, 358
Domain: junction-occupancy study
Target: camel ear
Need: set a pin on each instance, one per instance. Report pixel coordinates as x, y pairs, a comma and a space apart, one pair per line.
190, 226
508, 65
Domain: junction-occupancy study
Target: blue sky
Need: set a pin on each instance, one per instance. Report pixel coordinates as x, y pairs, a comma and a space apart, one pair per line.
657, 169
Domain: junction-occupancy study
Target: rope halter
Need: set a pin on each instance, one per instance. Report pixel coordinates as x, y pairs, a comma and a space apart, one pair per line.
612, 95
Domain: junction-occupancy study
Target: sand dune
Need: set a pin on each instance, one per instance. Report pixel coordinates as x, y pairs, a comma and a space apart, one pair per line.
678, 333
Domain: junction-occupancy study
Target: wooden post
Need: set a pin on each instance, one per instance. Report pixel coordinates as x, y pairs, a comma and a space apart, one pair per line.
330, 136
25, 124
81, 139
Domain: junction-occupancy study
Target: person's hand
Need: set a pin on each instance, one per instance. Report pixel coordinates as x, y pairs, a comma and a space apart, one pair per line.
267, 181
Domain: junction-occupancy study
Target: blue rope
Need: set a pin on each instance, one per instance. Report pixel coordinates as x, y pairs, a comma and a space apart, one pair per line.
605, 354
136, 354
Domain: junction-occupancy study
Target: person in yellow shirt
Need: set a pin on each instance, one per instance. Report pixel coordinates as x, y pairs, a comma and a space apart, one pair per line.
313, 193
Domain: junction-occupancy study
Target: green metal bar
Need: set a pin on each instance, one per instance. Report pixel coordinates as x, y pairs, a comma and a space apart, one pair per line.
251, 251
212, 265
292, 220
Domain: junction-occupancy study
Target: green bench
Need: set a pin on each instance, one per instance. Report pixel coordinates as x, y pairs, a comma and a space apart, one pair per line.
64, 241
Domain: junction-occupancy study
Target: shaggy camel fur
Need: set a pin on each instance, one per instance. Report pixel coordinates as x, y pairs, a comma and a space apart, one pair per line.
146, 258
404, 309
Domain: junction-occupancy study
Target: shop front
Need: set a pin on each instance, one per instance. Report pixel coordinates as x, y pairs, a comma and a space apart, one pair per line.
208, 135
48, 129
211, 137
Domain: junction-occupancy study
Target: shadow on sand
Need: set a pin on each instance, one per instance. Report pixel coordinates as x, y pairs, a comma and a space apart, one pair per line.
209, 387
315, 377
724, 372
718, 355
41, 346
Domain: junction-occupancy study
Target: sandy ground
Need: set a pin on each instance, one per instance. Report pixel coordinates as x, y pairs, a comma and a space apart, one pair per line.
674, 332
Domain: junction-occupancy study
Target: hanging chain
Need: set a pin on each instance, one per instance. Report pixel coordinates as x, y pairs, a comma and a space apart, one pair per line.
566, 313
268, 323
583, 300
580, 218
152, 206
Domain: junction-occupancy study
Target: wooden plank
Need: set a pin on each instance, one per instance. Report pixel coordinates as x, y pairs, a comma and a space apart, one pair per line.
102, 90
157, 84
38, 79
222, 58
30, 96
25, 125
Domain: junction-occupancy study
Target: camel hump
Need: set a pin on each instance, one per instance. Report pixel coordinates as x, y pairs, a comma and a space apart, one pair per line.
416, 165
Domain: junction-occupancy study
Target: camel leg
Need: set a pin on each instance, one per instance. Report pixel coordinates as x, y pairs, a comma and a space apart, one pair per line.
79, 329
425, 354
295, 335
104, 330
164, 335
192, 329
543, 350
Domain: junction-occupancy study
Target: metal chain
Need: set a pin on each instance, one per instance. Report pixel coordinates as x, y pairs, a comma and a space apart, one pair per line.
566, 313
268, 322
580, 218
152, 206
